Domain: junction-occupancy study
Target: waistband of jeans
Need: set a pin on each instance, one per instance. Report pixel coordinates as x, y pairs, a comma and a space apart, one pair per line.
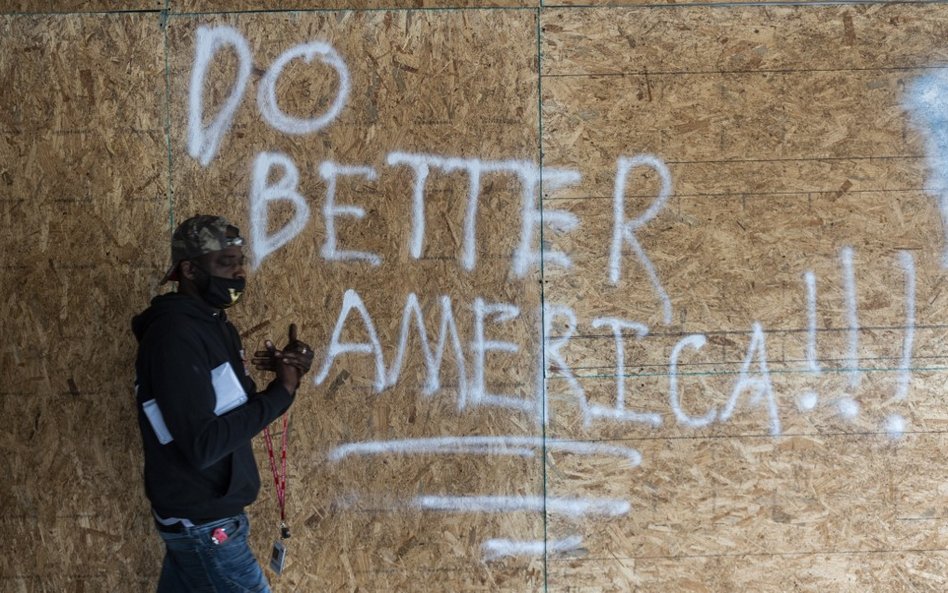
180, 527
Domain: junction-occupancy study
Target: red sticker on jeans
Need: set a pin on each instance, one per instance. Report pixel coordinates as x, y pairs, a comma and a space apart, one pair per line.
219, 536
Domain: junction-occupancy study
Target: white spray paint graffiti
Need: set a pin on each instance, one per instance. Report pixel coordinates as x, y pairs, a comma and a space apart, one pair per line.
498, 313
526, 256
495, 549
448, 329
847, 406
572, 507
625, 230
479, 393
895, 423
905, 368
330, 172
529, 176
204, 142
500, 445
852, 316
552, 347
261, 194
351, 300
420, 164
267, 98
760, 385
754, 378
752, 392
809, 399
618, 326
696, 341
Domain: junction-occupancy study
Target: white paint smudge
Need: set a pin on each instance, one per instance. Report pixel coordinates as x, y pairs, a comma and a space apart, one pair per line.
811, 357
927, 104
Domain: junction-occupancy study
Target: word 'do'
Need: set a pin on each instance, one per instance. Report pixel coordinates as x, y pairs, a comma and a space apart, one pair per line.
204, 141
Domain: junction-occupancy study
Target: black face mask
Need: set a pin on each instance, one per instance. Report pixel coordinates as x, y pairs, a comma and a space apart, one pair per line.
220, 293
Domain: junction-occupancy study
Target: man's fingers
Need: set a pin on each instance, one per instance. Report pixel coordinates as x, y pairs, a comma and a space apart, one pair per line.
292, 333
302, 361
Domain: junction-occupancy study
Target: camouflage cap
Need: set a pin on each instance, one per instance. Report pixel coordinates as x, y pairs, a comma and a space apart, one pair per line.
198, 236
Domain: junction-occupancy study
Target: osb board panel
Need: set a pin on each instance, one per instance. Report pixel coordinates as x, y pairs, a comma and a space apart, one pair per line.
406, 97
714, 496
814, 511
762, 179
84, 190
70, 6
719, 39
84, 185
211, 6
781, 155
645, 4
832, 504
843, 572
460, 84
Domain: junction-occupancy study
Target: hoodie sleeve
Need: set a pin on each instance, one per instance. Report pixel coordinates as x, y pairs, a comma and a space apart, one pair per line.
182, 387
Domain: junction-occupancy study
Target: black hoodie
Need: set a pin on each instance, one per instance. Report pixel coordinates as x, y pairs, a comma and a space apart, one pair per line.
207, 471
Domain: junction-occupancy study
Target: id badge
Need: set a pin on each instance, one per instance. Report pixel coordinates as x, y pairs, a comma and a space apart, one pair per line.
277, 557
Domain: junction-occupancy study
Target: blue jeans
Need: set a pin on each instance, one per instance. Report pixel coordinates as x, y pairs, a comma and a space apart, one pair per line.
195, 564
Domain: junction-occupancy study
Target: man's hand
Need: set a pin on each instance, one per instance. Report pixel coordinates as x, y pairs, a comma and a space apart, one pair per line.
289, 364
296, 353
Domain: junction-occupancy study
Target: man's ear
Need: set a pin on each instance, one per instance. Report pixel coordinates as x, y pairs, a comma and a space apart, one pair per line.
187, 269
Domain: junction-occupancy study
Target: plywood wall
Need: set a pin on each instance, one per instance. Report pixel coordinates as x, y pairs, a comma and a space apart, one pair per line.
694, 256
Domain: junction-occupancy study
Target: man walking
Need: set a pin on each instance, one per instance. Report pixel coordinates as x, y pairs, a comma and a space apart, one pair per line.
199, 409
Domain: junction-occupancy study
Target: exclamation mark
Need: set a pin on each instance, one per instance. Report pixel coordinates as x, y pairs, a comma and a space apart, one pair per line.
809, 399
895, 423
848, 407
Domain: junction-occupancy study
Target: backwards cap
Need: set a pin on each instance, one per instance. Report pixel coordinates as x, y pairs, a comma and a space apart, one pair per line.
197, 236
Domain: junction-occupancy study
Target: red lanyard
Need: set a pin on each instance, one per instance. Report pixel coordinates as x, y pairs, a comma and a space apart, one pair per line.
279, 476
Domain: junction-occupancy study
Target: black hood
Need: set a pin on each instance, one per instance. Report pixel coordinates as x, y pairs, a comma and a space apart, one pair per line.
177, 303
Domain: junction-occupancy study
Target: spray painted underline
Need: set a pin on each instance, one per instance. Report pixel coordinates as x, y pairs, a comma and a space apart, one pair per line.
500, 445
573, 507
